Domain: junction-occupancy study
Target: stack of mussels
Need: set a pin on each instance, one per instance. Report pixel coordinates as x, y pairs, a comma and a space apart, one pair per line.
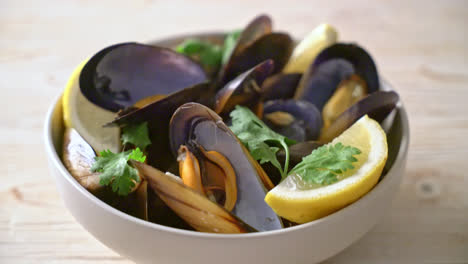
186, 107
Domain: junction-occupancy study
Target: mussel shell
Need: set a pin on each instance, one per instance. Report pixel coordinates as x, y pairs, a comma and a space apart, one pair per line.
376, 105
280, 86
239, 92
257, 28
362, 61
197, 210
120, 75
158, 115
197, 123
320, 82
307, 119
275, 46
160, 213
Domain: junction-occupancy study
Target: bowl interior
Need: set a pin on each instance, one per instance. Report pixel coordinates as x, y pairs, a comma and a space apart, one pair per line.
397, 130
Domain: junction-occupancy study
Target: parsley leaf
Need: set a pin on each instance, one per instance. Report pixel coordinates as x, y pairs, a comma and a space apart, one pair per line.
209, 55
325, 163
229, 43
259, 139
136, 135
115, 170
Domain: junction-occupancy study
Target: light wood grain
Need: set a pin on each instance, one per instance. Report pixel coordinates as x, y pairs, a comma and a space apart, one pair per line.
420, 47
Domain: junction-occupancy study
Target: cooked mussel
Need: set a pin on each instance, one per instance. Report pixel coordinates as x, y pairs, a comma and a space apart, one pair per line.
158, 115
331, 68
362, 62
377, 105
349, 91
243, 90
208, 150
78, 158
319, 83
120, 75
296, 119
198, 211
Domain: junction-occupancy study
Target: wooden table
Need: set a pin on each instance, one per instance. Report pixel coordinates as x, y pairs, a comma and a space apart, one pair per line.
420, 47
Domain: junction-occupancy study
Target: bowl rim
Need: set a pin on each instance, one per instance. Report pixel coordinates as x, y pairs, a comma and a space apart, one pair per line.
58, 164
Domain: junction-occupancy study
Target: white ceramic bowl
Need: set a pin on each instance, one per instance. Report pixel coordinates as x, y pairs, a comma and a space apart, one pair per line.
145, 242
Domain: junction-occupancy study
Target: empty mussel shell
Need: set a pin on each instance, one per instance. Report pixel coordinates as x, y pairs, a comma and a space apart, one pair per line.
275, 46
120, 75
244, 89
258, 27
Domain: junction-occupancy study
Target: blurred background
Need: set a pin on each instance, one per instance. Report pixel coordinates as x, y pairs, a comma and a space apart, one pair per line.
419, 46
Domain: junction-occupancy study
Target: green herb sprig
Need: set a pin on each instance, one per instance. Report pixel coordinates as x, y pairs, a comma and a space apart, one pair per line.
322, 166
115, 170
259, 139
326, 163
137, 135
114, 167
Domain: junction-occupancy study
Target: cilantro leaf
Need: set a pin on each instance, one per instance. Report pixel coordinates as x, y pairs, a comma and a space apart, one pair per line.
115, 170
136, 135
209, 55
259, 139
326, 163
229, 43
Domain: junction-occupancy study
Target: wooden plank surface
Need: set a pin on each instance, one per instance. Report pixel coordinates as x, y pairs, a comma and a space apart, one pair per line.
420, 47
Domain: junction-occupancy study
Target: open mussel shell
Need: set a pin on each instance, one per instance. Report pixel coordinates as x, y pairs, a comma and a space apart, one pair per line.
260, 26
120, 75
320, 82
196, 124
275, 46
244, 89
295, 119
257, 28
280, 86
197, 210
376, 105
158, 115
362, 62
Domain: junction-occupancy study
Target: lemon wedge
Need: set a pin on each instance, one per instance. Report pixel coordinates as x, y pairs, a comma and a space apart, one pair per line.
303, 205
305, 52
87, 118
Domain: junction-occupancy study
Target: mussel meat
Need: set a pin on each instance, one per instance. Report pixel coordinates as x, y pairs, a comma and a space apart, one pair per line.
198, 211
296, 119
377, 105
